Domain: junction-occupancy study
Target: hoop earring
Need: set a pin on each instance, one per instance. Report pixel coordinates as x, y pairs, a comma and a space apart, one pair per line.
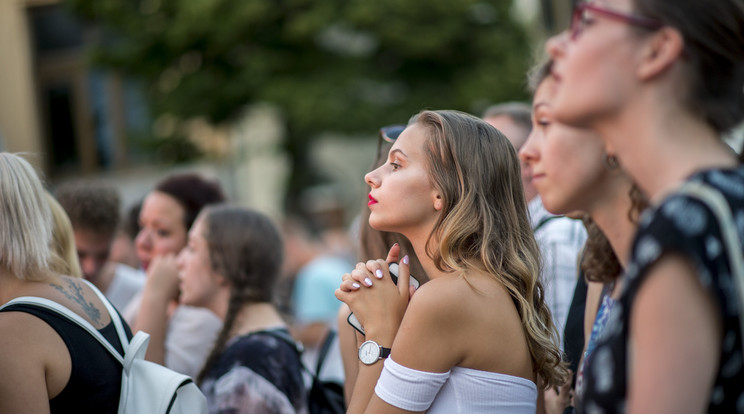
612, 162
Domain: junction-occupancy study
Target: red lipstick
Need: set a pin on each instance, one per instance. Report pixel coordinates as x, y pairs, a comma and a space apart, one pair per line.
371, 200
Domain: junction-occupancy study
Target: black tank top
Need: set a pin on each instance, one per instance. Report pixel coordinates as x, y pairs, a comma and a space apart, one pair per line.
95, 379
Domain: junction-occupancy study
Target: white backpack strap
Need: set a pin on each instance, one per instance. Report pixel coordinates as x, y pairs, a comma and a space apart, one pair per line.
115, 318
717, 203
72, 316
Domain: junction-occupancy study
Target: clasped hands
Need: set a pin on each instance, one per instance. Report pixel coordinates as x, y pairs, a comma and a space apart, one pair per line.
377, 302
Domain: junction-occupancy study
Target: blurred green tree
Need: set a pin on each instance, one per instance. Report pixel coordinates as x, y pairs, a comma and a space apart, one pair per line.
347, 66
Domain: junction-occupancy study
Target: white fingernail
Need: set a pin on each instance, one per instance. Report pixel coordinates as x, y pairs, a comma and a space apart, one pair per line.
356, 285
378, 273
368, 281
405, 259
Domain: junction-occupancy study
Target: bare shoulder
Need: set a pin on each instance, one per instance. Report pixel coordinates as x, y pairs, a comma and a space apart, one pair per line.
441, 313
437, 289
466, 322
440, 298
451, 299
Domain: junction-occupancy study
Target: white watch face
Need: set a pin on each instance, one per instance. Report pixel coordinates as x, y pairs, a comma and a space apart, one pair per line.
369, 352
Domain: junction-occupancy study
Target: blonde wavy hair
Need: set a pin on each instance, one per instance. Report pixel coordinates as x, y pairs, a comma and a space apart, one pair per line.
484, 225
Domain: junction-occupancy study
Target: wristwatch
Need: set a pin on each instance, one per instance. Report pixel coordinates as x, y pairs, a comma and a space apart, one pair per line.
370, 352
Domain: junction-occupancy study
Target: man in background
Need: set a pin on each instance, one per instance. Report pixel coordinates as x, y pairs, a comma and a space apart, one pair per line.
94, 211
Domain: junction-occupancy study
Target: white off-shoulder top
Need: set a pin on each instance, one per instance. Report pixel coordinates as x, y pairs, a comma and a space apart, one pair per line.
460, 390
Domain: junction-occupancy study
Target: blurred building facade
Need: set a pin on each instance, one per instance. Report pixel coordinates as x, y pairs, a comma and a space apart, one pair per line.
51, 102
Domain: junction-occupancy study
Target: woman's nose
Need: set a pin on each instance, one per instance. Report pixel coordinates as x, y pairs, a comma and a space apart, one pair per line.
143, 238
372, 178
528, 153
555, 46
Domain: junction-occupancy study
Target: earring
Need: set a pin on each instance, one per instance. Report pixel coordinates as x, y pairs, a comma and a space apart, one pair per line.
611, 162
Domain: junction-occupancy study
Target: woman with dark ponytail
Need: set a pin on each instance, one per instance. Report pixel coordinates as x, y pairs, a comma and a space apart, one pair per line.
229, 266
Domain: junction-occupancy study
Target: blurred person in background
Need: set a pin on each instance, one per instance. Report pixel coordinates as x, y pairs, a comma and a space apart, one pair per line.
93, 208
229, 266
514, 120
123, 249
180, 336
316, 273
573, 172
64, 258
661, 82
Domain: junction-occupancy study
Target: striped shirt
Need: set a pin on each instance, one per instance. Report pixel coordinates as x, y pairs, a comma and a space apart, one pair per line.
560, 240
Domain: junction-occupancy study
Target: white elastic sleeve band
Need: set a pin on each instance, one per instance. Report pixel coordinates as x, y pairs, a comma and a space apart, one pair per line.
409, 389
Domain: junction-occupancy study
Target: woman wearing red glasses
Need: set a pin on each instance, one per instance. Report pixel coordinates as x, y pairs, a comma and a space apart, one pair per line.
661, 81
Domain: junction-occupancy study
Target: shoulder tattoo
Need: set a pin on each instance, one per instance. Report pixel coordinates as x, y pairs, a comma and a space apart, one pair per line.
75, 293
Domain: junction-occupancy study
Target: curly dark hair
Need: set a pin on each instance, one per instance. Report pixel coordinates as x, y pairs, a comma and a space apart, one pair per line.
600, 263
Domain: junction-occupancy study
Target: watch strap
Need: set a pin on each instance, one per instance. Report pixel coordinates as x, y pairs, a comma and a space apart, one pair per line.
384, 352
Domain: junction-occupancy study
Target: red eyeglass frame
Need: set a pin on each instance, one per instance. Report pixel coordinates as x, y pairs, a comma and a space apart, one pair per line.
632, 19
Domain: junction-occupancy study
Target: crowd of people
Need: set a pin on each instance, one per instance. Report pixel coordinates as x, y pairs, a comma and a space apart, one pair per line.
579, 254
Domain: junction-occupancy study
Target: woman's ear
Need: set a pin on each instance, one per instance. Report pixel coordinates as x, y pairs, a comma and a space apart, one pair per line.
438, 202
663, 49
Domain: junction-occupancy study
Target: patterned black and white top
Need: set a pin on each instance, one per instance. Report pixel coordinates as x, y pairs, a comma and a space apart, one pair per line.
686, 226
257, 373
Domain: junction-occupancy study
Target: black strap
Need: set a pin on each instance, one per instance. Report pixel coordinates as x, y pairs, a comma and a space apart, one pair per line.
324, 350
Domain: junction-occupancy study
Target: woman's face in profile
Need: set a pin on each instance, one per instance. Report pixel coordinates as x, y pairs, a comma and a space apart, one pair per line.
567, 163
161, 227
401, 193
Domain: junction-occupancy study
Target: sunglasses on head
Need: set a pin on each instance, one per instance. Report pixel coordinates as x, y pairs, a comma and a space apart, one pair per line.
389, 134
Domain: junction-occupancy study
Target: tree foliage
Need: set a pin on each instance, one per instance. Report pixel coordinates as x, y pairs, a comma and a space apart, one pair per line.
329, 65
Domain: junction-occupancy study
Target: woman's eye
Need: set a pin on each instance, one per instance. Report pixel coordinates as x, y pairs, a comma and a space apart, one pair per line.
395, 166
163, 233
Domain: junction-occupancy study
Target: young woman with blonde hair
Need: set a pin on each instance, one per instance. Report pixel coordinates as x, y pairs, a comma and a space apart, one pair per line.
49, 364
478, 337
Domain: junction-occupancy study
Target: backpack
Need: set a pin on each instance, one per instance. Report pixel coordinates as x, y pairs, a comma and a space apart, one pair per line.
146, 387
324, 397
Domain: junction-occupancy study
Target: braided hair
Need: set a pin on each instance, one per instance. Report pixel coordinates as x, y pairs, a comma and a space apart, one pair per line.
246, 249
